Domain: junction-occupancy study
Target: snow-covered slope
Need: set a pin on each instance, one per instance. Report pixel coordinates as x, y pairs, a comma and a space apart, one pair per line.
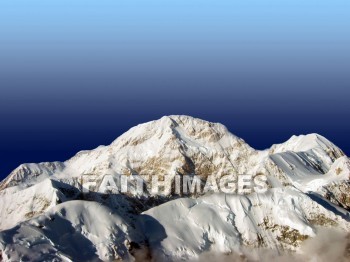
308, 176
279, 219
72, 231
29, 174
17, 206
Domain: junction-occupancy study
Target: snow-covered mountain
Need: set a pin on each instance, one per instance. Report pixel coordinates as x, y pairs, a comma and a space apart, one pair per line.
44, 215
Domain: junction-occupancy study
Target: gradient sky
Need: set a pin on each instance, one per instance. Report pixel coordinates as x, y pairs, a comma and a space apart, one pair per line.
77, 74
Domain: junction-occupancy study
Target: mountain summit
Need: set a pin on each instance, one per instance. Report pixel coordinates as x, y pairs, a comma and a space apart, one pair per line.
45, 215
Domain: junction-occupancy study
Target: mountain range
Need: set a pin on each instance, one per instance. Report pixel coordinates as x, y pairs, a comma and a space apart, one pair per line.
46, 216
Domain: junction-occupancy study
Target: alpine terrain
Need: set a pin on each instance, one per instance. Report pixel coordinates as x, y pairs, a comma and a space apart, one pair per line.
70, 211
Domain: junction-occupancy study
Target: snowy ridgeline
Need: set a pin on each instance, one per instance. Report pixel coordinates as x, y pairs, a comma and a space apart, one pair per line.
45, 215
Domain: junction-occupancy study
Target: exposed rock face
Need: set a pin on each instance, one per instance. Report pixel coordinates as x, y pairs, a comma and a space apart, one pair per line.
308, 178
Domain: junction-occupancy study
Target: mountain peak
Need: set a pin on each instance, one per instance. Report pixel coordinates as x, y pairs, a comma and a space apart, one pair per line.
174, 127
303, 143
38, 201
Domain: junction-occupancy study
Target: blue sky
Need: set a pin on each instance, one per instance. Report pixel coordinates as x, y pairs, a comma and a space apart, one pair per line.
77, 74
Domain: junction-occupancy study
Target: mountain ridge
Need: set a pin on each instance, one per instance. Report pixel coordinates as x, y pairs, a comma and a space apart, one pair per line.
275, 148
304, 169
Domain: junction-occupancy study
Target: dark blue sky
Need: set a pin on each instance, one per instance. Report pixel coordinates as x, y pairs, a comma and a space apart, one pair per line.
77, 74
